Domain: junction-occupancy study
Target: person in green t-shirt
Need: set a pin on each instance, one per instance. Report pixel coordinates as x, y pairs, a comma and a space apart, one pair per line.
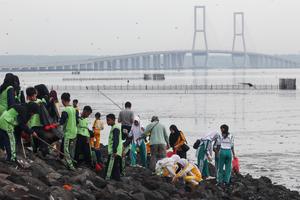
83, 137
69, 121
17, 115
115, 148
35, 123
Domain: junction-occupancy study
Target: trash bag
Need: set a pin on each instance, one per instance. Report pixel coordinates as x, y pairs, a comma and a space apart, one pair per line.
235, 165
170, 153
197, 144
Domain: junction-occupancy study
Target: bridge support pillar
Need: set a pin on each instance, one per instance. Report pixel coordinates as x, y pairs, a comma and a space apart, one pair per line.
156, 61
166, 60
173, 60
180, 59
137, 62
114, 64
83, 67
108, 65
146, 62
101, 65
96, 66
132, 63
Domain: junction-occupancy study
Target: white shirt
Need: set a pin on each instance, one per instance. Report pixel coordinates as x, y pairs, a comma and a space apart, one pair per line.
226, 143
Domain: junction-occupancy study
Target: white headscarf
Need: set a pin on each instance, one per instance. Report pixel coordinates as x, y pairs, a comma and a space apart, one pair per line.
183, 162
136, 131
175, 158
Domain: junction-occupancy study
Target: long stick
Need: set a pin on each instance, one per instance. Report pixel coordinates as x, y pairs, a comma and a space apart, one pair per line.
110, 100
23, 148
54, 148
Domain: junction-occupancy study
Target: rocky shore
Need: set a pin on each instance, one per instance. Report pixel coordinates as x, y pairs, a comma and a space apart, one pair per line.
49, 179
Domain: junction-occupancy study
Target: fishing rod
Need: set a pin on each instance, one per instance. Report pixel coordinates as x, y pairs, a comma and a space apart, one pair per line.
54, 148
23, 149
110, 99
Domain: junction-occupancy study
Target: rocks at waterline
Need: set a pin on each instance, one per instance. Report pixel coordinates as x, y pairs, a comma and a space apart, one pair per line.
45, 179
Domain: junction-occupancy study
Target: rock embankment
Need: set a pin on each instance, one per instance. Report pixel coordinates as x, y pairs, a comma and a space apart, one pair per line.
48, 179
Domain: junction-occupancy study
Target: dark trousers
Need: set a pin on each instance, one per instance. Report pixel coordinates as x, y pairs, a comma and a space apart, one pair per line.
83, 147
37, 144
112, 169
5, 144
125, 145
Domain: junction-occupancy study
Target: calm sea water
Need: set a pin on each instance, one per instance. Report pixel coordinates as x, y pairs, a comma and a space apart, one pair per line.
265, 124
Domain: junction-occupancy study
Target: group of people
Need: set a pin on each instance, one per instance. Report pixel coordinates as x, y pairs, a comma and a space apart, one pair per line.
38, 121
135, 139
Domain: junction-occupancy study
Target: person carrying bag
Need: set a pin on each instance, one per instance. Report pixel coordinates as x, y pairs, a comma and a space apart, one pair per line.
178, 142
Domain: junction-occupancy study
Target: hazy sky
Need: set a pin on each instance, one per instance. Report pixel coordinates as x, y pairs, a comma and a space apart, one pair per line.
101, 27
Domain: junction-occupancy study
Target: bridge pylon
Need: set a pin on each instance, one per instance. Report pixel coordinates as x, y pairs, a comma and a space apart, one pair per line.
239, 32
199, 28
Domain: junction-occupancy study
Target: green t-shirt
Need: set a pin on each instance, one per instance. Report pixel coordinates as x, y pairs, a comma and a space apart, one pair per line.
70, 127
83, 127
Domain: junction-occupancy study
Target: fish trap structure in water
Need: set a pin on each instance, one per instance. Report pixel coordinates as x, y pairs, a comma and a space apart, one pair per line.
165, 87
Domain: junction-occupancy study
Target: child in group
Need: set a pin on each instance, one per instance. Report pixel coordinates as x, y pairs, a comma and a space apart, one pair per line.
75, 104
225, 147
17, 115
83, 137
35, 122
69, 121
115, 149
97, 127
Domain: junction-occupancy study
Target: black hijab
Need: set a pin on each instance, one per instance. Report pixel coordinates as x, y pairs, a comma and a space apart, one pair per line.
174, 136
17, 86
9, 80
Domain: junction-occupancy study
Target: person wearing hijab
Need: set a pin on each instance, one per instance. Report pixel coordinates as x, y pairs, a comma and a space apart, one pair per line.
189, 172
176, 140
19, 94
54, 111
7, 93
225, 146
204, 152
138, 145
167, 167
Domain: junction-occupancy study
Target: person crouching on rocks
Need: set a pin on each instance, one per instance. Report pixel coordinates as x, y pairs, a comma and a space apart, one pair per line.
17, 115
225, 146
69, 121
189, 172
167, 167
83, 137
115, 148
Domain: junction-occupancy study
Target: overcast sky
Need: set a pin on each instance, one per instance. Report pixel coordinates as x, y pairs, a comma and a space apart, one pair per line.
102, 27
